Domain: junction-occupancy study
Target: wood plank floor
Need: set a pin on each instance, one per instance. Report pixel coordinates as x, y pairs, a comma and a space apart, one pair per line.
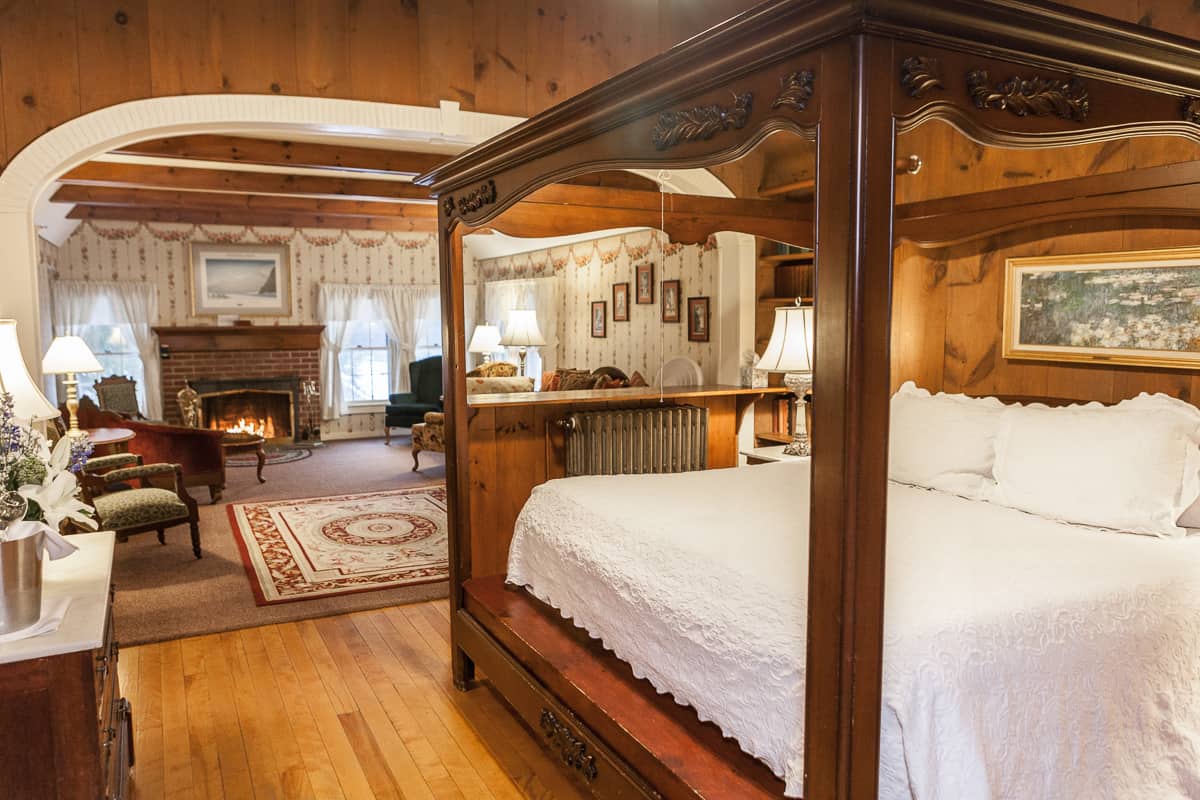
356, 706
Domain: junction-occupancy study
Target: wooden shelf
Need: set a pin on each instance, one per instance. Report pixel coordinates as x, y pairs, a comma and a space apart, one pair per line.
772, 436
782, 301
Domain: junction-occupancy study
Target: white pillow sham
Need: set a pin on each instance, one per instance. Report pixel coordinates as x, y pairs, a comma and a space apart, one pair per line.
943, 441
1134, 466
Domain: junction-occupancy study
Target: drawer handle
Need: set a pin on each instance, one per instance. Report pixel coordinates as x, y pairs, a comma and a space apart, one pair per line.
110, 736
571, 750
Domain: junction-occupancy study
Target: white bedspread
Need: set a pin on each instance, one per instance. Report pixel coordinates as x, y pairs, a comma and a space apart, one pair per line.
1024, 658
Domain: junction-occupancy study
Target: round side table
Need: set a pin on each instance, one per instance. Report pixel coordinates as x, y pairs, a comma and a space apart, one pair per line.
245, 443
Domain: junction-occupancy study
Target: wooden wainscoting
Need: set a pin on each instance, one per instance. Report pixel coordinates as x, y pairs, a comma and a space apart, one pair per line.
516, 443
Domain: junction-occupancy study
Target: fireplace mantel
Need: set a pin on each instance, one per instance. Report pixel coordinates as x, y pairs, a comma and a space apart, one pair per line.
207, 338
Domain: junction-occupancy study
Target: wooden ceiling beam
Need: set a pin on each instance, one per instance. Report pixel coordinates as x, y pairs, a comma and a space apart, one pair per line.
101, 173
261, 219
275, 153
267, 203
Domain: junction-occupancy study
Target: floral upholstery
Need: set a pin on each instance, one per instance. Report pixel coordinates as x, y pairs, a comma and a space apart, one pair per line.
494, 369
135, 508
130, 473
429, 435
99, 464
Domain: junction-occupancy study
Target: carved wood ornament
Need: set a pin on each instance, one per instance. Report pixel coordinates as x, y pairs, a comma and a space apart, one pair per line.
482, 195
1191, 109
795, 90
1036, 96
700, 122
571, 750
919, 75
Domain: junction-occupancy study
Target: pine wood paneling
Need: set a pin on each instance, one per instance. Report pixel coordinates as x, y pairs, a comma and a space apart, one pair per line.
499, 57
39, 59
447, 62
385, 53
549, 59
113, 52
323, 49
258, 46
185, 53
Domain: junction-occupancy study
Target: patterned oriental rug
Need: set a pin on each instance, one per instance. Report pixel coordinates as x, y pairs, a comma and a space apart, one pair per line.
325, 546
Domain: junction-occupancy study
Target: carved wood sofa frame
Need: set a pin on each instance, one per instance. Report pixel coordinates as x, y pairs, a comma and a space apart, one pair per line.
854, 73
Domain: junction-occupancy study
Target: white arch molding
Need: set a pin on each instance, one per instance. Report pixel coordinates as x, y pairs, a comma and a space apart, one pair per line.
32, 171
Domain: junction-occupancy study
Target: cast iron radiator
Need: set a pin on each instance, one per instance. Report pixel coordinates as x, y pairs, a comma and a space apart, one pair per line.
632, 441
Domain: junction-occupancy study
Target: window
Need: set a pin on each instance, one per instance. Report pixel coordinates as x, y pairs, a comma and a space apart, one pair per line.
114, 348
364, 362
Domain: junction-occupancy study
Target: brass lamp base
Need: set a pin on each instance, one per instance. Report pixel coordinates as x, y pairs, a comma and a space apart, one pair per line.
800, 384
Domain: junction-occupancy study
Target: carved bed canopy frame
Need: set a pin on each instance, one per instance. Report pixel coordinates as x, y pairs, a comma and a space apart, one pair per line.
854, 74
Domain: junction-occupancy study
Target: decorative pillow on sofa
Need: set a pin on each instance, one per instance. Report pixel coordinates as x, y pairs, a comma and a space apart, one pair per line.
636, 379
494, 369
550, 381
1134, 466
943, 441
572, 380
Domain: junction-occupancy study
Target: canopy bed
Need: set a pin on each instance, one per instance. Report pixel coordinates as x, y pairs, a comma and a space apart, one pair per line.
853, 76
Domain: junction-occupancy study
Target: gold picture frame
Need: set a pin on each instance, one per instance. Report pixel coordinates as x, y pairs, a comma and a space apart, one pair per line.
241, 279
1136, 308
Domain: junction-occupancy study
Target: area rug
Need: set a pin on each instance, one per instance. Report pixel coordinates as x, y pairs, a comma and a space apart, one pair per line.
275, 455
325, 546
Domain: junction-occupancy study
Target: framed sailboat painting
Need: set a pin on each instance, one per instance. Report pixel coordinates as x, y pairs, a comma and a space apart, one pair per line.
241, 279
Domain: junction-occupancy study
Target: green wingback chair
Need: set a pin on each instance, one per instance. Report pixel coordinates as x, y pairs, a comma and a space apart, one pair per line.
408, 408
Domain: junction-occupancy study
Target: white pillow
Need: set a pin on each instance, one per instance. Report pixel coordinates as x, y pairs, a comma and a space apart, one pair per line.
943, 441
1186, 412
1133, 467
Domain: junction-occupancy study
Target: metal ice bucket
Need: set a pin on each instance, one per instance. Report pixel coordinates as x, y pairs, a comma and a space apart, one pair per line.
20, 583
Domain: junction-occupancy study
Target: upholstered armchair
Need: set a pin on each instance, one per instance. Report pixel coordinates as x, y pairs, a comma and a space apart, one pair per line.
131, 497
429, 435
406, 409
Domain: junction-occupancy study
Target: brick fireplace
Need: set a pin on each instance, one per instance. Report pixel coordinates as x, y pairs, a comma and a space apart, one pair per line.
222, 362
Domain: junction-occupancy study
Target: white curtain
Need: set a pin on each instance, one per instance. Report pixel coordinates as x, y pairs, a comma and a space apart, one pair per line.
403, 309
544, 296
336, 307
406, 309
78, 304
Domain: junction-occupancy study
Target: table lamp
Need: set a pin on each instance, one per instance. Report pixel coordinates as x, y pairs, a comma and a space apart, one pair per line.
790, 351
486, 341
28, 401
68, 356
522, 332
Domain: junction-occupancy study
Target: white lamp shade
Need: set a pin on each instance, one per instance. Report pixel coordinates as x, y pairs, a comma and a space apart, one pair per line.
28, 401
791, 346
522, 329
485, 339
69, 354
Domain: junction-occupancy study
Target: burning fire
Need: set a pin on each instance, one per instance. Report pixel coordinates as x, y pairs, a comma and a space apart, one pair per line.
244, 425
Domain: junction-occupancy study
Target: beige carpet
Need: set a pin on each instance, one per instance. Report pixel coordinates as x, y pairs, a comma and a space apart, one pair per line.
165, 593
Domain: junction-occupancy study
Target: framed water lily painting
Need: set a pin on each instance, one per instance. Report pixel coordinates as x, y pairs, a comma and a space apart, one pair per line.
1139, 307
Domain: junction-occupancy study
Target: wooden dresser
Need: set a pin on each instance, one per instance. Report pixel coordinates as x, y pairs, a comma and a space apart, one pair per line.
65, 729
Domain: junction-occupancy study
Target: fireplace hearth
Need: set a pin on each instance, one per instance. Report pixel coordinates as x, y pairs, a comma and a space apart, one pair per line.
261, 406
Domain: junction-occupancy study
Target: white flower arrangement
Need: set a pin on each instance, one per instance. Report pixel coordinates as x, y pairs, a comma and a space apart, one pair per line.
38, 483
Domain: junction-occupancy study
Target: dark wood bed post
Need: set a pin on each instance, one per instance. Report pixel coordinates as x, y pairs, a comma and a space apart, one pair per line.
848, 516
454, 370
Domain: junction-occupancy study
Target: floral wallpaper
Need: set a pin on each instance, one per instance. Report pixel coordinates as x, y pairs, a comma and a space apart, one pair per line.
588, 271
157, 253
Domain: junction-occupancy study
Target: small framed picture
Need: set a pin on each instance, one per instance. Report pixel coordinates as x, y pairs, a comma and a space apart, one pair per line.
697, 319
644, 273
620, 302
599, 319
670, 301
240, 279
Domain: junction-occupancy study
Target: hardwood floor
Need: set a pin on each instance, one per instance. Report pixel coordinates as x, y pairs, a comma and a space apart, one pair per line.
356, 706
